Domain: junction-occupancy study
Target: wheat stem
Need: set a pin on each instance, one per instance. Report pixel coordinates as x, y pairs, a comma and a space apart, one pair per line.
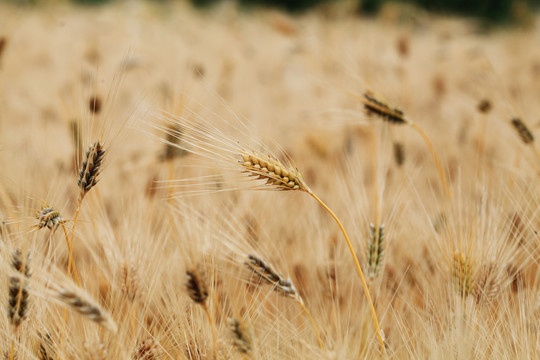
359, 270
308, 313
71, 259
71, 262
12, 351
435, 157
214, 336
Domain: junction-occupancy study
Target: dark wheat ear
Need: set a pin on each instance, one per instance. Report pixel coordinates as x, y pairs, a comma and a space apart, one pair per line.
18, 288
278, 281
523, 131
388, 113
91, 167
196, 286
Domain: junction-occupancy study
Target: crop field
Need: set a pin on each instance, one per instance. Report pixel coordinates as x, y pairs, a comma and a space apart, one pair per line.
227, 183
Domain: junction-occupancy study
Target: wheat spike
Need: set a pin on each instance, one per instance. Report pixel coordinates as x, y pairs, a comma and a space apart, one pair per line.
281, 285
88, 308
18, 288
273, 171
196, 286
241, 336
388, 113
462, 274
375, 250
49, 217
91, 167
523, 131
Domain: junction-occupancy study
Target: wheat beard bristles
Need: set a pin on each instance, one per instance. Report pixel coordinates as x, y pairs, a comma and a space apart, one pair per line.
523, 131
385, 111
18, 289
273, 171
90, 169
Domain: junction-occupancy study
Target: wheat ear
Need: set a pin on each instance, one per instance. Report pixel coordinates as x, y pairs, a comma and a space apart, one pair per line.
281, 285
198, 292
85, 306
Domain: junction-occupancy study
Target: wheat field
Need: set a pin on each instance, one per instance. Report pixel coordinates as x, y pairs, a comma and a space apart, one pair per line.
157, 163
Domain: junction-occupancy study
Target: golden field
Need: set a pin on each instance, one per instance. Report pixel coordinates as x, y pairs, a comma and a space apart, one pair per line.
185, 113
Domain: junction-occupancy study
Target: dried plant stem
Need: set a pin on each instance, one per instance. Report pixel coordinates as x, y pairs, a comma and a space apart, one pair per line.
308, 313
70, 242
12, 351
359, 270
71, 263
214, 336
435, 157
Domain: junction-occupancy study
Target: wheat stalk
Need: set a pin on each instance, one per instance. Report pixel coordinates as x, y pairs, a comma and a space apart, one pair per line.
375, 250
281, 285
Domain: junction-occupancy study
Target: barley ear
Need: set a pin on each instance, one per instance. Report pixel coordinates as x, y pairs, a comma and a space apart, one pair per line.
376, 247
91, 167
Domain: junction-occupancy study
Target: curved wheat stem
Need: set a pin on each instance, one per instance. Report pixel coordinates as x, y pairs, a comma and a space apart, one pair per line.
358, 269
